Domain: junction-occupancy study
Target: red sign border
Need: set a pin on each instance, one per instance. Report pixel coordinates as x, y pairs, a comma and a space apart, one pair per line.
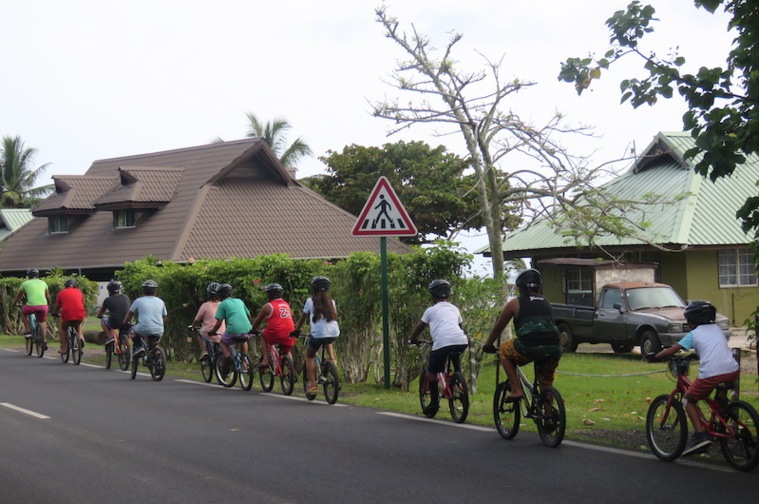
383, 182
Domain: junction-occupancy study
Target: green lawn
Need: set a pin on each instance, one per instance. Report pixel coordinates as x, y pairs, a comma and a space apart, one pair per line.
606, 395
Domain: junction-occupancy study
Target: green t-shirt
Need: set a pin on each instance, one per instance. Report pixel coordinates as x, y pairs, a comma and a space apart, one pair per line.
35, 292
234, 312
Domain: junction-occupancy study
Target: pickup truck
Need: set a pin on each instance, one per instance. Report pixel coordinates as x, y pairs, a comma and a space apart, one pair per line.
649, 315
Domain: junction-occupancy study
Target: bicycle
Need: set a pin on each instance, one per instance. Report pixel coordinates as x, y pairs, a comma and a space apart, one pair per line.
281, 366
326, 375
154, 358
73, 344
733, 425
122, 336
543, 405
37, 339
451, 386
242, 366
208, 365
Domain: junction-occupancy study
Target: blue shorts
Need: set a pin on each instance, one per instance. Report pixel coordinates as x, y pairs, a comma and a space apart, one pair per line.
436, 364
316, 343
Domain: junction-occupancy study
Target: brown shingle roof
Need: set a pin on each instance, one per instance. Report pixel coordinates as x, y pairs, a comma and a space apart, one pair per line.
230, 199
74, 194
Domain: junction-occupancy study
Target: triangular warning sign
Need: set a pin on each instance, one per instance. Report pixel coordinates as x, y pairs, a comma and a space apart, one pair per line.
383, 214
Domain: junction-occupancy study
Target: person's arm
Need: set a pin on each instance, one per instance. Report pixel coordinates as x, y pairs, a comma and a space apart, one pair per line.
47, 296
509, 312
668, 352
18, 296
265, 312
421, 326
57, 307
301, 321
101, 312
215, 326
128, 317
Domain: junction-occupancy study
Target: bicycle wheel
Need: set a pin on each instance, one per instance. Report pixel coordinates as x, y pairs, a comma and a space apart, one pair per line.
31, 340
287, 380
551, 417
266, 375
425, 397
506, 414
306, 382
331, 381
206, 367
741, 450
666, 428
228, 378
75, 345
246, 372
157, 364
459, 401
39, 341
108, 354
125, 356
135, 364
65, 356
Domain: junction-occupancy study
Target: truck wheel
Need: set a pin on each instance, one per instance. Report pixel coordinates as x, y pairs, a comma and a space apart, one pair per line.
566, 340
622, 347
649, 342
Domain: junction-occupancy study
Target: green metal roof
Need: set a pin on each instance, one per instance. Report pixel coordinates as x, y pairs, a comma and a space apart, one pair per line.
12, 219
706, 217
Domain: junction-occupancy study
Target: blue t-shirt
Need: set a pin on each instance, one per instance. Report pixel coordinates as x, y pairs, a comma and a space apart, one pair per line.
150, 311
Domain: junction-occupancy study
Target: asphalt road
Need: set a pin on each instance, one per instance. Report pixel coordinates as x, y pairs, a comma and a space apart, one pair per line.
84, 434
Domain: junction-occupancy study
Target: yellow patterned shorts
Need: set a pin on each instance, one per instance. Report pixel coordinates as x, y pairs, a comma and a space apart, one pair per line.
545, 368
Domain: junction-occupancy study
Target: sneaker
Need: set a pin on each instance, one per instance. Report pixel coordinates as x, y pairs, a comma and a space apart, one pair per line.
27, 335
204, 356
109, 341
699, 443
138, 352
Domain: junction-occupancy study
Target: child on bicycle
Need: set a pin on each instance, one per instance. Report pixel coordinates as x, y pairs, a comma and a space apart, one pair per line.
279, 323
717, 365
324, 327
117, 305
206, 318
444, 320
151, 318
537, 335
69, 304
236, 315
37, 301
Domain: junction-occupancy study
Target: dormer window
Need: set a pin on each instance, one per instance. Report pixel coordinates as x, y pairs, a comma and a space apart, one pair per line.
57, 224
123, 218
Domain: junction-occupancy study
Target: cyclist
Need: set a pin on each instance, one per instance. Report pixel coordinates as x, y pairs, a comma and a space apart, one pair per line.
37, 301
151, 317
537, 335
237, 317
279, 323
206, 318
117, 305
69, 304
717, 365
324, 327
444, 320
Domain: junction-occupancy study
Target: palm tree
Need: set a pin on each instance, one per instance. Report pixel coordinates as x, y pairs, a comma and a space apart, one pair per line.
275, 135
17, 177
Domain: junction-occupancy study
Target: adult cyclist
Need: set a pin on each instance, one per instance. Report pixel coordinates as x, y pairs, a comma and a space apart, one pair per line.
117, 305
151, 318
37, 301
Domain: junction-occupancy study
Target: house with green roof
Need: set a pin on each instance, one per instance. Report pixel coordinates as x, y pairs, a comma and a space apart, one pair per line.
12, 219
694, 239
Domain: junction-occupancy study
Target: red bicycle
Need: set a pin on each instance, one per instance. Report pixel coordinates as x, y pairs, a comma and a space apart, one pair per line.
733, 425
281, 366
451, 385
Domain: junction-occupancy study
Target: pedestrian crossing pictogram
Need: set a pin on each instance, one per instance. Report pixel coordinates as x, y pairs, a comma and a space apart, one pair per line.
383, 214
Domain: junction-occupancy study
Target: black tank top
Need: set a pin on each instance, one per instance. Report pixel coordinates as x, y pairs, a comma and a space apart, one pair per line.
534, 324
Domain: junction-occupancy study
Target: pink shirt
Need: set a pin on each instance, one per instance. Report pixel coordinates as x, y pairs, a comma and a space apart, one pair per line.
207, 313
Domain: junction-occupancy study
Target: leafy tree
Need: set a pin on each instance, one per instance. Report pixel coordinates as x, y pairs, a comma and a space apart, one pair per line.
429, 181
473, 104
722, 112
17, 176
275, 134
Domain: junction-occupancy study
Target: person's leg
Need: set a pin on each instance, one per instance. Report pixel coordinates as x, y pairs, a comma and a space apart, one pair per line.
310, 368
265, 351
62, 336
331, 353
201, 345
79, 332
107, 330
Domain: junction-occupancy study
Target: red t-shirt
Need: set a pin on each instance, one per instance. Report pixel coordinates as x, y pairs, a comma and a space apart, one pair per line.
280, 323
71, 303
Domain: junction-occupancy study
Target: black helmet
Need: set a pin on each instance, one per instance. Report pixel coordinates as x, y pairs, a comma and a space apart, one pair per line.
33, 273
275, 289
320, 283
225, 290
70, 283
114, 286
700, 312
149, 287
213, 289
440, 289
529, 279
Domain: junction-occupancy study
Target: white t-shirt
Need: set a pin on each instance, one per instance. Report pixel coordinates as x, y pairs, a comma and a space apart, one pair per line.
321, 328
444, 319
710, 344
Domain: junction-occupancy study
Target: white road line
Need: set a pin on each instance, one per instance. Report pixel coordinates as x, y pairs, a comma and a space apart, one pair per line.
277, 396
25, 411
479, 428
10, 349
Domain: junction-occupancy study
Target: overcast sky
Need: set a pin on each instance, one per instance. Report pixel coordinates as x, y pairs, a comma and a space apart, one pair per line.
91, 79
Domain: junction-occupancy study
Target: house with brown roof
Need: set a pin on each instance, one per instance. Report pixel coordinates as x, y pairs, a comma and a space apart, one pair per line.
230, 199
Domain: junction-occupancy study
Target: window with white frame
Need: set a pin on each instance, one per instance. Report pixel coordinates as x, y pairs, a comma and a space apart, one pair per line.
123, 218
58, 224
578, 286
737, 268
